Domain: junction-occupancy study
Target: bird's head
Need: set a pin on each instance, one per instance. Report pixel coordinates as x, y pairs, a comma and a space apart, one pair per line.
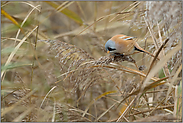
110, 47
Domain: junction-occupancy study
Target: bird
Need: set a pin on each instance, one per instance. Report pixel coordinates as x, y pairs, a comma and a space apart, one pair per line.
123, 45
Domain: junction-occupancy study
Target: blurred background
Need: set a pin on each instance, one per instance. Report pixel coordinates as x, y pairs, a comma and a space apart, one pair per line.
48, 55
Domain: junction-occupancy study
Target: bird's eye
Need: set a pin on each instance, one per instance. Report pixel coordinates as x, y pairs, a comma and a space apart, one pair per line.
111, 49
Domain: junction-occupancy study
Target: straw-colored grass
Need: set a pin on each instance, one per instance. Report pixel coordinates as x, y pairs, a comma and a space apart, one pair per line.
54, 67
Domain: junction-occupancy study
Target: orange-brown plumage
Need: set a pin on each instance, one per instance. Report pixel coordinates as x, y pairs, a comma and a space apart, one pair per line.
122, 44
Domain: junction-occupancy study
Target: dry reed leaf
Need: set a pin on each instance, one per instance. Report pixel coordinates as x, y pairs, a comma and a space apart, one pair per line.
23, 115
10, 17
8, 109
47, 95
54, 111
160, 64
106, 111
16, 40
122, 115
97, 98
158, 118
16, 48
172, 81
32, 5
25, 19
66, 11
178, 101
150, 86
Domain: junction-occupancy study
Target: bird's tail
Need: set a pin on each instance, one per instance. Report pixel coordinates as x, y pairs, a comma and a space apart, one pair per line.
138, 48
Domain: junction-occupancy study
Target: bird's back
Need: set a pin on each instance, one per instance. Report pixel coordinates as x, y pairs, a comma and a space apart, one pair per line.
124, 44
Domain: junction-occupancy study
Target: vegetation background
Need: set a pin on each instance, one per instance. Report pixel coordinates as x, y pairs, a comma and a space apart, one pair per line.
54, 67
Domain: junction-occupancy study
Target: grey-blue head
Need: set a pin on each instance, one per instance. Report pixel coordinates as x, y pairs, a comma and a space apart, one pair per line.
110, 46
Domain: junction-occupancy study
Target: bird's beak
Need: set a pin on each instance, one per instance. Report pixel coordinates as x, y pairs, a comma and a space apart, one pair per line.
108, 51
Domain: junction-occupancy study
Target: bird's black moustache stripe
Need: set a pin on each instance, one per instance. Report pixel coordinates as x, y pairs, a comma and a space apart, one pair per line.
111, 49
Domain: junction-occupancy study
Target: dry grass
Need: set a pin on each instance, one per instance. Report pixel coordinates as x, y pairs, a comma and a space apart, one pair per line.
54, 67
